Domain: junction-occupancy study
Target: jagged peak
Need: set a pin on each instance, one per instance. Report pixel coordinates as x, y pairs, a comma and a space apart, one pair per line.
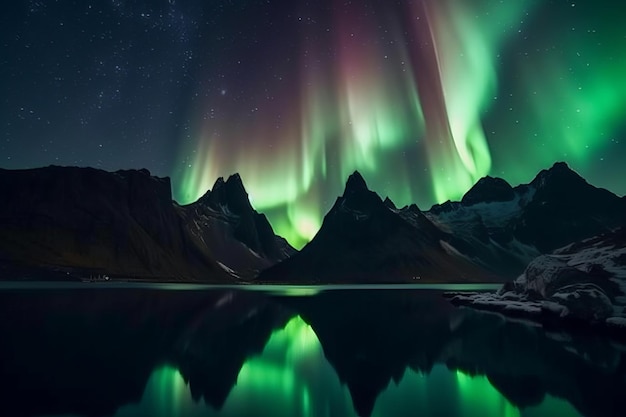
218, 183
358, 197
230, 193
355, 183
235, 179
390, 203
413, 207
235, 186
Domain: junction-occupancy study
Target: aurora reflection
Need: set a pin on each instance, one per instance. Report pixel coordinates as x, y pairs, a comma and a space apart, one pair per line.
293, 378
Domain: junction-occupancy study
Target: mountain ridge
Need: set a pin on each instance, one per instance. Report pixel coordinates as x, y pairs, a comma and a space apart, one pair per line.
362, 239
494, 231
73, 223
83, 221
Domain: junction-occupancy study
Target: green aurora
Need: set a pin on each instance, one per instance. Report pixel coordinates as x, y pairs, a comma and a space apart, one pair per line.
457, 91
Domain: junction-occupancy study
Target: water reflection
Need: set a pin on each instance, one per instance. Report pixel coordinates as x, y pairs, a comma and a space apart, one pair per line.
247, 353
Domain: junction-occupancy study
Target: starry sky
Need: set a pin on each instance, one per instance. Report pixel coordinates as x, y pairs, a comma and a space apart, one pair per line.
423, 97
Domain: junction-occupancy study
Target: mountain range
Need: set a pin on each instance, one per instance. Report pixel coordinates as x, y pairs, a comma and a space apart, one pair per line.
68, 222
491, 234
364, 239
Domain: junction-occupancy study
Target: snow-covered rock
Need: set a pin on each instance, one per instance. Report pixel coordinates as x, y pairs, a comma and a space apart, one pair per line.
584, 281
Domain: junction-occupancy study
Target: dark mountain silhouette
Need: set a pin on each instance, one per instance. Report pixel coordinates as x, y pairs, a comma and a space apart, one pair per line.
363, 240
489, 189
237, 235
77, 222
69, 222
566, 208
508, 227
494, 231
390, 204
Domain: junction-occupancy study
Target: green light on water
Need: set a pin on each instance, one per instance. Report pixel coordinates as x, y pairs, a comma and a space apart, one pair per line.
477, 393
292, 377
165, 394
275, 383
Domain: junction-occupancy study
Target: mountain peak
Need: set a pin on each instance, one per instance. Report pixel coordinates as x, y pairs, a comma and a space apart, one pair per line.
355, 183
561, 165
489, 189
357, 196
235, 180
218, 183
560, 168
390, 203
230, 193
560, 175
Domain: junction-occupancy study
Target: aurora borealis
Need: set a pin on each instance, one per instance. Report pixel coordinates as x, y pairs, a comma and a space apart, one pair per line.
423, 97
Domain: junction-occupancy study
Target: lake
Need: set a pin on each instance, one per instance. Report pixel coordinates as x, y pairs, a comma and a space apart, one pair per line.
116, 349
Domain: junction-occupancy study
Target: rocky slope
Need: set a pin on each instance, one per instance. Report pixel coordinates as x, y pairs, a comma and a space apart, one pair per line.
237, 235
68, 222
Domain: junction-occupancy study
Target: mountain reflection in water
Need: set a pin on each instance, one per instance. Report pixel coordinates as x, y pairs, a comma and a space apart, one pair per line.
231, 352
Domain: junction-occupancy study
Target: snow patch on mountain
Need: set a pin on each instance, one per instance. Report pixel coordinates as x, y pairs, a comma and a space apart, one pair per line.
227, 269
494, 215
451, 250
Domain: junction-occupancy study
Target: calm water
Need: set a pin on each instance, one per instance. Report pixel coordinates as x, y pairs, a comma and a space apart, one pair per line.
137, 350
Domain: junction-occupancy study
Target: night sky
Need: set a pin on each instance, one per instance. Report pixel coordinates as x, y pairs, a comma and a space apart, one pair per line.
423, 97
